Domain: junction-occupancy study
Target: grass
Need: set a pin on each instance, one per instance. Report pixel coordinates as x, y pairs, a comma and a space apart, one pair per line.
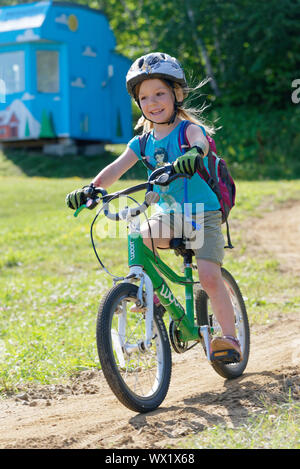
33, 163
276, 426
51, 284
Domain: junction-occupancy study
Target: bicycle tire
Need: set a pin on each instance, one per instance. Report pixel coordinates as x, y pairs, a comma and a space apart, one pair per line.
123, 374
205, 315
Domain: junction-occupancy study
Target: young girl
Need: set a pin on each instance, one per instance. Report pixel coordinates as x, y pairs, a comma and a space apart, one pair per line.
157, 83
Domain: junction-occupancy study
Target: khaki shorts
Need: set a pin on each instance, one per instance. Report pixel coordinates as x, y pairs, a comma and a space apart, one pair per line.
206, 241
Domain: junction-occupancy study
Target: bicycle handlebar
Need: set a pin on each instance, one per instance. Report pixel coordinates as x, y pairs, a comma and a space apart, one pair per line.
161, 176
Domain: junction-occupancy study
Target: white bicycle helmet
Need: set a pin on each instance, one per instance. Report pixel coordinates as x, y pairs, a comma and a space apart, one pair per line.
154, 65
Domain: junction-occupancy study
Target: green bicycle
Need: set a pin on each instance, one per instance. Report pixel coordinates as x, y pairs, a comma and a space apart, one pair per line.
134, 347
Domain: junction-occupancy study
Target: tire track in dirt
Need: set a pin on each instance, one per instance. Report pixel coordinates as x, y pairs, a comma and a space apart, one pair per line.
86, 414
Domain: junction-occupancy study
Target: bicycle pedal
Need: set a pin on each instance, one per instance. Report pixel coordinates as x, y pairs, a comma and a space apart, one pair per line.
226, 356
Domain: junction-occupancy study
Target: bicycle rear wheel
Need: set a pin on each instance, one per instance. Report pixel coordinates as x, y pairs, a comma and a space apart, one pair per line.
205, 315
138, 376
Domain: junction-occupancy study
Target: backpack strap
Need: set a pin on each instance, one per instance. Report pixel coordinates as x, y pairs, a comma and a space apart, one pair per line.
184, 145
183, 142
143, 142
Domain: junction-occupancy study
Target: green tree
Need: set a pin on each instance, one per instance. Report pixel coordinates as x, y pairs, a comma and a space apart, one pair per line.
47, 129
249, 48
27, 129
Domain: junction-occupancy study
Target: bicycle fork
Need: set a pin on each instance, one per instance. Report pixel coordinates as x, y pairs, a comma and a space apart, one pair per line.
143, 344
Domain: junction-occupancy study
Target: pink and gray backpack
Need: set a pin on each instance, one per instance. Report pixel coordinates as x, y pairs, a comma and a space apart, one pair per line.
217, 177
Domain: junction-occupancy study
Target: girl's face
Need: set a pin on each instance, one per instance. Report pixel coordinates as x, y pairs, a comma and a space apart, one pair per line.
156, 100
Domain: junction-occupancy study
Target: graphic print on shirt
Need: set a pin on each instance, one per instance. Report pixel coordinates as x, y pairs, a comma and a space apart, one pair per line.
160, 156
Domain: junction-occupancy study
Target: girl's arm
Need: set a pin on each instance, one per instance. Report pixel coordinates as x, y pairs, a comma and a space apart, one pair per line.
115, 170
197, 138
199, 147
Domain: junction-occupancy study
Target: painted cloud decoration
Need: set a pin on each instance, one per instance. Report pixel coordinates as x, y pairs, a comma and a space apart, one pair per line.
28, 35
78, 83
88, 52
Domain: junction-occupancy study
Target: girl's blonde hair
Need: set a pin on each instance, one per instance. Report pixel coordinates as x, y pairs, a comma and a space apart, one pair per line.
185, 113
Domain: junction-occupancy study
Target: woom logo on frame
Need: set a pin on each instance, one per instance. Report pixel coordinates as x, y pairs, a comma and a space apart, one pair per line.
132, 250
168, 295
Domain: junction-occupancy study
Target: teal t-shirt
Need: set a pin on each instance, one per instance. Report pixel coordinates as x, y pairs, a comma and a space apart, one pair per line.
173, 196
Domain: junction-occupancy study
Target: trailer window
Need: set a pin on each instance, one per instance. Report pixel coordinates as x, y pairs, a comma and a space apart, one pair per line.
12, 71
47, 71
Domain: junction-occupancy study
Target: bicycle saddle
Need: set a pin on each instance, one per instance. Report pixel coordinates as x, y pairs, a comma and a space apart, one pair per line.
178, 244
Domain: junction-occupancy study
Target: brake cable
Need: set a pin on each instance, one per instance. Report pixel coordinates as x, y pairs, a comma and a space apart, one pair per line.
92, 237
112, 197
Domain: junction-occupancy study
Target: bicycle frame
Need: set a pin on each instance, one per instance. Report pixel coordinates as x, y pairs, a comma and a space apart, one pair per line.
139, 255
149, 269
145, 266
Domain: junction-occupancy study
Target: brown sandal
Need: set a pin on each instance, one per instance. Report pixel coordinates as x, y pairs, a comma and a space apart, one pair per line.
220, 346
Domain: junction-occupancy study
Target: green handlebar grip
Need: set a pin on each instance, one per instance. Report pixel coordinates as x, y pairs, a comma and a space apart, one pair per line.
79, 210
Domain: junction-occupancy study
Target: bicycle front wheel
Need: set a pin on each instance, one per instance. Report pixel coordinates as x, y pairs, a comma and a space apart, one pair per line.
137, 375
205, 315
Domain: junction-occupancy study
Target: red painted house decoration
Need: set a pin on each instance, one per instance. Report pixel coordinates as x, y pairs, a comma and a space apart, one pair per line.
9, 125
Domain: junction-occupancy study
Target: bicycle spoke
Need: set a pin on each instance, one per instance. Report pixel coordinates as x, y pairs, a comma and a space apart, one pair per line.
140, 370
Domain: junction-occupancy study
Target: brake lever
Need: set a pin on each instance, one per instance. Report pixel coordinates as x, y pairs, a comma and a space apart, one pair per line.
165, 179
90, 204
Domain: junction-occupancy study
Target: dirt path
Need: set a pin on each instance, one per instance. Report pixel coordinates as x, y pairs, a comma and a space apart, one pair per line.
85, 414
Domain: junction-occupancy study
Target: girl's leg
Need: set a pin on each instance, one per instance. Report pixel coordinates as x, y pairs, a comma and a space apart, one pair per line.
161, 235
212, 282
210, 277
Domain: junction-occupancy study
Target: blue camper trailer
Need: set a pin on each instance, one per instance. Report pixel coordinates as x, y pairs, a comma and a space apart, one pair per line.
59, 75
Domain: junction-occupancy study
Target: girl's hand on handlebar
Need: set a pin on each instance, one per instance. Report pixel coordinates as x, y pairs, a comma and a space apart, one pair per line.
76, 198
86, 195
189, 162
